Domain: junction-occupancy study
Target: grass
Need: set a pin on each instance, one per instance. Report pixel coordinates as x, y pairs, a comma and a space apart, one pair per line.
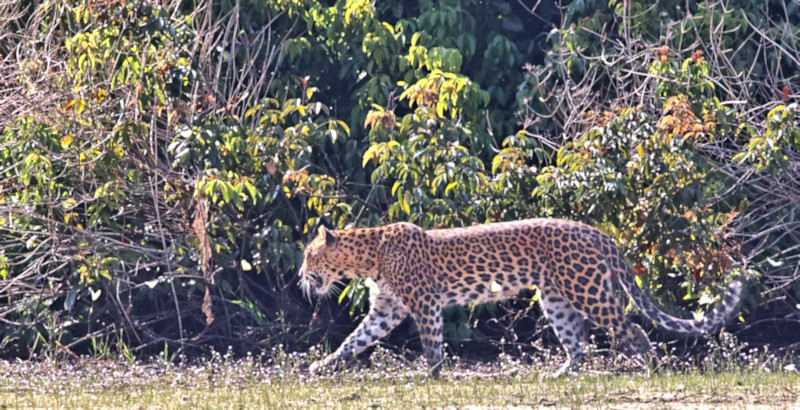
281, 382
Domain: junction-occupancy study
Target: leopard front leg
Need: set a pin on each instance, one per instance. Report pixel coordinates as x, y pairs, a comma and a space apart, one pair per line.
413, 280
386, 311
568, 324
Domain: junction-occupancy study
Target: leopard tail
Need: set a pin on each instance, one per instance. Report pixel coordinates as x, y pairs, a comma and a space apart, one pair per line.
711, 321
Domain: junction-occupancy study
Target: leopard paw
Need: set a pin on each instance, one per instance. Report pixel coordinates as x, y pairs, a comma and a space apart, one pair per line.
317, 366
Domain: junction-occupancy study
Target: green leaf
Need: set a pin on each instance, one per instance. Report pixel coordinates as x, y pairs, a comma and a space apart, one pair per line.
226, 190
406, 208
371, 153
451, 186
345, 291
396, 186
344, 127
254, 194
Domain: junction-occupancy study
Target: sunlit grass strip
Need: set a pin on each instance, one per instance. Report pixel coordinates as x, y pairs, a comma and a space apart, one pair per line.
179, 389
223, 382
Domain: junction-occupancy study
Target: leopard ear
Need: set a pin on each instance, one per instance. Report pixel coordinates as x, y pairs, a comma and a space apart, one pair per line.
330, 237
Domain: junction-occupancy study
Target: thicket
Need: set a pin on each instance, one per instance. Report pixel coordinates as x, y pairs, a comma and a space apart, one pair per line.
163, 163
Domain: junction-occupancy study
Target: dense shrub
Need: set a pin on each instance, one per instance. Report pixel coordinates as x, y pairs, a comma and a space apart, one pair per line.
163, 163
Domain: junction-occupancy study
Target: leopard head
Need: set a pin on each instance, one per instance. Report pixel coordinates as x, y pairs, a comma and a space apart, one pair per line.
320, 261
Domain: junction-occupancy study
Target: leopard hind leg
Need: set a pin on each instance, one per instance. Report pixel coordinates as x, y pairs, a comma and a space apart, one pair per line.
604, 309
633, 342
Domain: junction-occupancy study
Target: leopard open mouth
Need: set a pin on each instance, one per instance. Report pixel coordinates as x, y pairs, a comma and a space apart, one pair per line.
315, 279
310, 280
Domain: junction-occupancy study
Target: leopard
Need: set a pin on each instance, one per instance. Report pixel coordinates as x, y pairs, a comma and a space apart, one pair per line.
577, 271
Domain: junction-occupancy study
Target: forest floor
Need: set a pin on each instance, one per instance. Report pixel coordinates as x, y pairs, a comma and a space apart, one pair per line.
282, 382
